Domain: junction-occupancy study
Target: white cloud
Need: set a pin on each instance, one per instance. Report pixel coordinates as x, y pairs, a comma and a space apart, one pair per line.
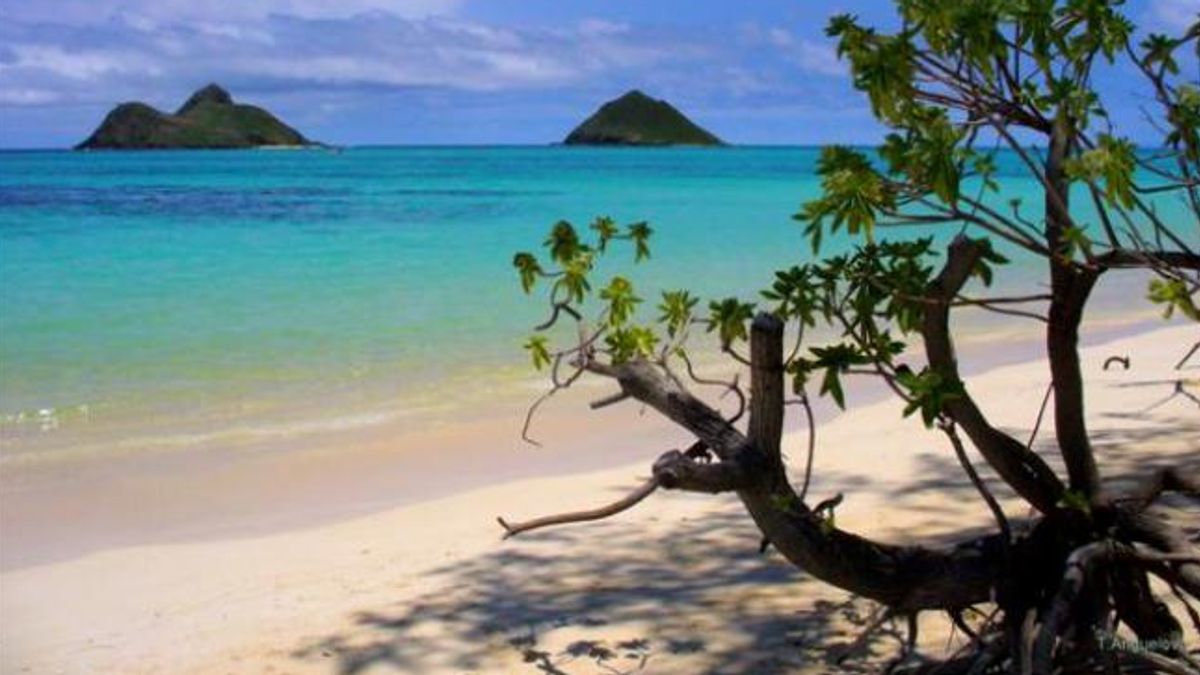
162, 11
817, 57
812, 56
780, 37
27, 97
1174, 15
159, 57
76, 65
601, 27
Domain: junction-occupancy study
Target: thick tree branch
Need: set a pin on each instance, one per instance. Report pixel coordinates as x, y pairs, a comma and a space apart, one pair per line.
765, 430
906, 578
677, 471
1019, 466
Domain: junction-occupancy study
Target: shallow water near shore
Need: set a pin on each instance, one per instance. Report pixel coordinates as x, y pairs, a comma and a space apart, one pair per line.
163, 301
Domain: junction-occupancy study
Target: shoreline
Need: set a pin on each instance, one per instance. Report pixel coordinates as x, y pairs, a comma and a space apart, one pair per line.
429, 588
64, 509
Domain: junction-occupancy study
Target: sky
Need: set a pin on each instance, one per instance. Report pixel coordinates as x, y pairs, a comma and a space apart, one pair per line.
358, 72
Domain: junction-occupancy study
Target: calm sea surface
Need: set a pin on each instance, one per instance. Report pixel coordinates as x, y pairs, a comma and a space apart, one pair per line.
173, 299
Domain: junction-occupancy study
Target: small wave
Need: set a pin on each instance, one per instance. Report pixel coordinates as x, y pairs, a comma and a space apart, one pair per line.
124, 446
45, 419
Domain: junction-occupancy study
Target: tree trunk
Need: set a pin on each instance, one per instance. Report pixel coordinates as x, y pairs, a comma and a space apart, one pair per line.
1070, 286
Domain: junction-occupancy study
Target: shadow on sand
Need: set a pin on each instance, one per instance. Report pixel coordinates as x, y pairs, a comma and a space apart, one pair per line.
689, 596
696, 597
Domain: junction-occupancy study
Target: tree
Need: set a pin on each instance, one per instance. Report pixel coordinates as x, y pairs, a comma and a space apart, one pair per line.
958, 85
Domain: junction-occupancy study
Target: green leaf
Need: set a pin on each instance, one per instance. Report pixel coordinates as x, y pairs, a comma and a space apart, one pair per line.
574, 280
605, 230
928, 393
538, 352
1112, 162
676, 308
1174, 294
621, 300
640, 234
729, 317
626, 344
529, 269
832, 385
1077, 501
563, 242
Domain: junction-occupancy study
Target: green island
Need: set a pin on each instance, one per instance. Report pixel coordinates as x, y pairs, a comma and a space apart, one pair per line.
208, 119
638, 119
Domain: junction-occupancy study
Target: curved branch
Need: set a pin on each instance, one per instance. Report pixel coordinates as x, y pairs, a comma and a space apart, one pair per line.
673, 470
624, 504
1019, 466
730, 387
812, 444
559, 307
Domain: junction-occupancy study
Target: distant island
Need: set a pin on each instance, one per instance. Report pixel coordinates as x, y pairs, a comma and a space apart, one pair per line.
637, 119
209, 119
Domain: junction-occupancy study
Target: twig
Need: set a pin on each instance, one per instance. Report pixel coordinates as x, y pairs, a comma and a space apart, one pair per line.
1037, 424
731, 386
1178, 391
529, 413
1191, 352
558, 308
812, 444
1123, 360
625, 503
947, 427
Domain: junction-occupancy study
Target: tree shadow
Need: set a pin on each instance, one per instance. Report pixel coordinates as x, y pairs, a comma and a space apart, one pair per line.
694, 596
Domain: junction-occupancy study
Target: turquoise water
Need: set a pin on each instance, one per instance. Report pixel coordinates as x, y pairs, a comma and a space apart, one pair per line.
159, 297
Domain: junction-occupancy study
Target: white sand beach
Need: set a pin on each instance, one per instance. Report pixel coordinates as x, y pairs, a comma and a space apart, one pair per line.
676, 585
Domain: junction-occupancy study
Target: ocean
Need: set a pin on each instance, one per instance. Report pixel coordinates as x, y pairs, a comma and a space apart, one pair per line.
179, 300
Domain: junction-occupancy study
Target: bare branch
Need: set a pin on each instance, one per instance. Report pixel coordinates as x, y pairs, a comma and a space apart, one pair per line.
673, 470
947, 427
625, 503
812, 444
730, 387
559, 308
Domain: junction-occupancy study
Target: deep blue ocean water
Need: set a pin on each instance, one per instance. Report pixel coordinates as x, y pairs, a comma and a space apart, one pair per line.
158, 297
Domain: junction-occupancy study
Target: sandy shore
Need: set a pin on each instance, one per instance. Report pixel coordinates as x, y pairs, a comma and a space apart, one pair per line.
676, 585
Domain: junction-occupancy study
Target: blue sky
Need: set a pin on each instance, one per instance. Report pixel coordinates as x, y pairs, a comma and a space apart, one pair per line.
450, 71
